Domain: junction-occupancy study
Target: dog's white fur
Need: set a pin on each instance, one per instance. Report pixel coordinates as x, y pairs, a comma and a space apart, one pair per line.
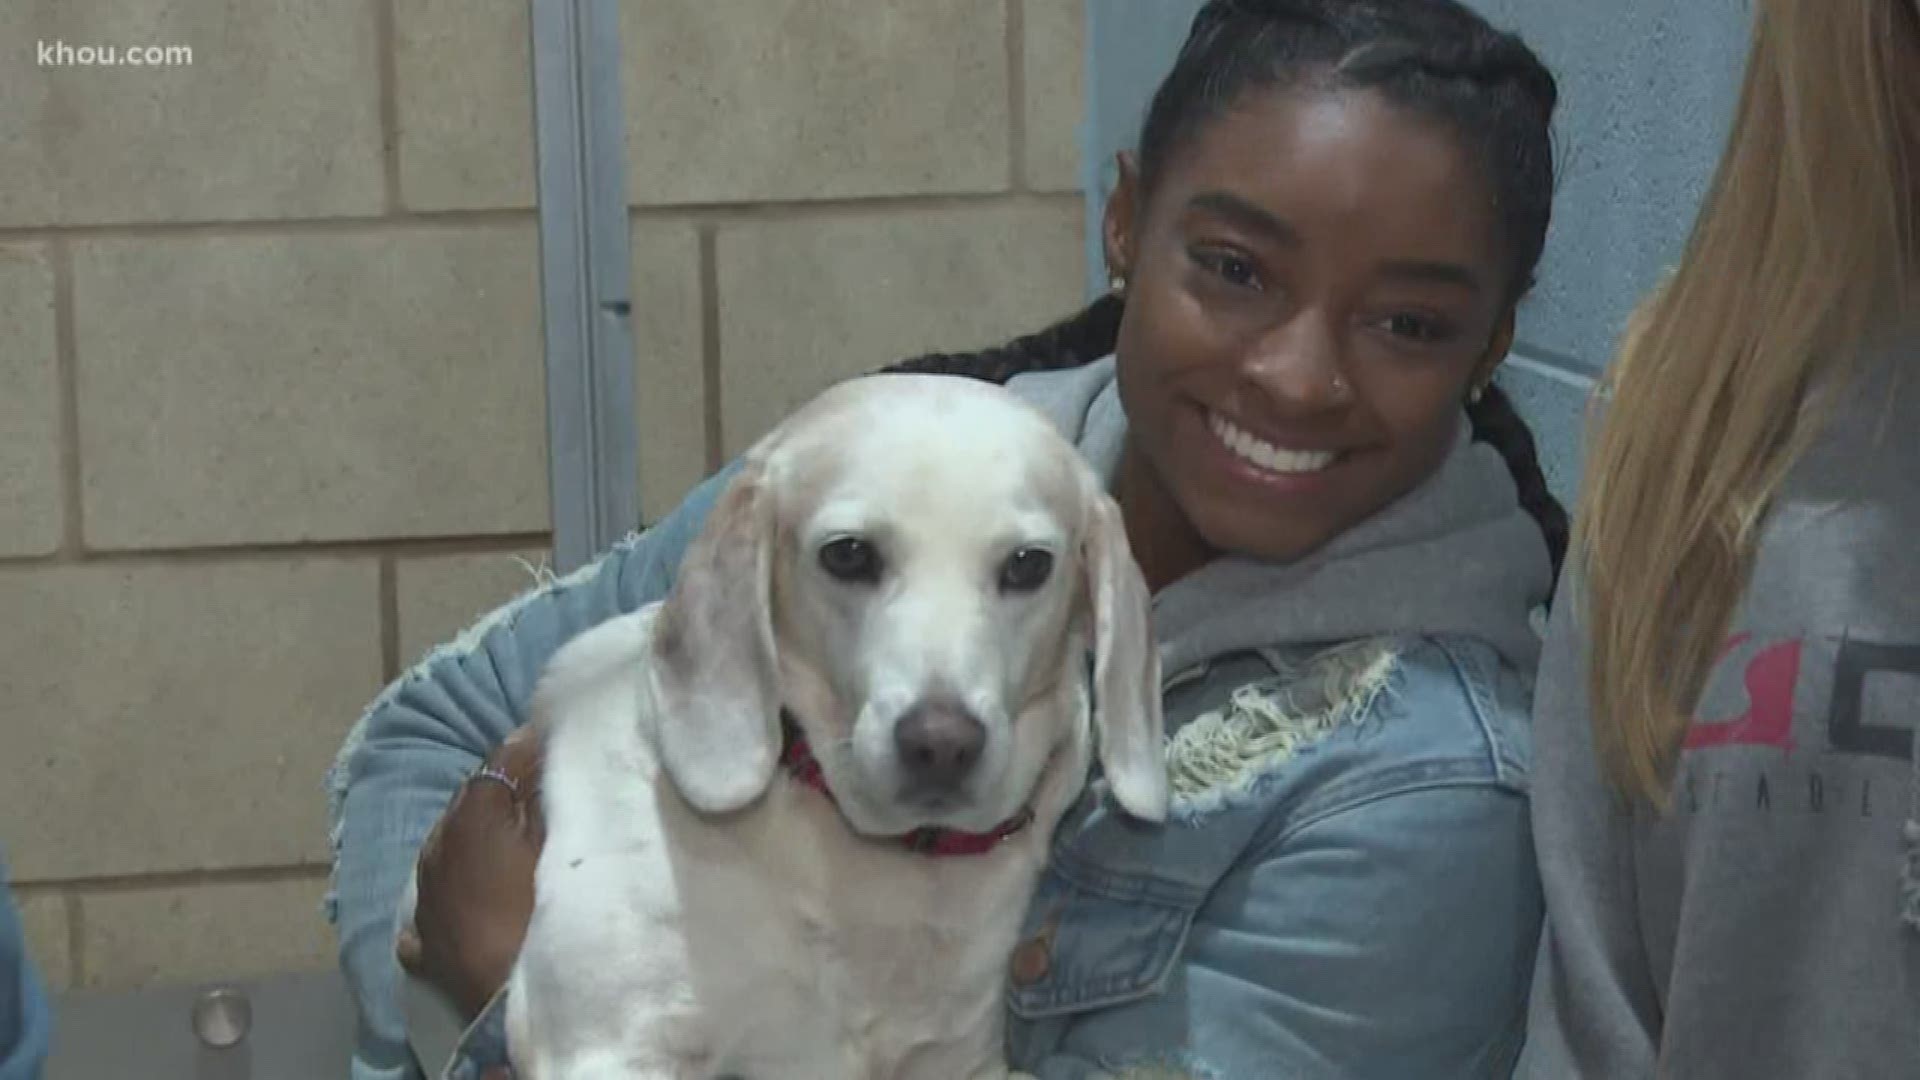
699, 913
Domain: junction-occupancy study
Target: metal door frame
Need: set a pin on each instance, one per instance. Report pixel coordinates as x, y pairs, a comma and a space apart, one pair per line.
585, 247
585, 276
585, 257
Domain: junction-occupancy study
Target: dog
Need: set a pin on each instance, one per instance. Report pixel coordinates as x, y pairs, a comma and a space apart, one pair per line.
796, 811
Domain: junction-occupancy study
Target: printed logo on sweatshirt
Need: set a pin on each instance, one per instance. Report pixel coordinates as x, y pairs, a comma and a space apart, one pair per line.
1771, 677
1830, 706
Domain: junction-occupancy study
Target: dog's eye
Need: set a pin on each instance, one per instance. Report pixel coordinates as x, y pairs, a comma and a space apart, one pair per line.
851, 559
1026, 570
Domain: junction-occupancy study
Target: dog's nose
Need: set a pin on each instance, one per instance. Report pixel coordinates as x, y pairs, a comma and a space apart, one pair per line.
938, 745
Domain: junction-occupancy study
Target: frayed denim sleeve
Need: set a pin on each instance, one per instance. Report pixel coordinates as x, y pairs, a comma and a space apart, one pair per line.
416, 743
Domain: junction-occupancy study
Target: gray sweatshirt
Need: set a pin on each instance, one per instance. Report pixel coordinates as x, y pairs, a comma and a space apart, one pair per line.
1768, 926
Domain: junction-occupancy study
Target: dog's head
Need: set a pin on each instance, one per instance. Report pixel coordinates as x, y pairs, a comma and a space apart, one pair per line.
915, 567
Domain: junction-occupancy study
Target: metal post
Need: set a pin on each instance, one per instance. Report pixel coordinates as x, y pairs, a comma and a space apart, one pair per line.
585, 276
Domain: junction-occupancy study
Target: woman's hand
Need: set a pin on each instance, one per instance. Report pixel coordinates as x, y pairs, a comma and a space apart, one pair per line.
476, 880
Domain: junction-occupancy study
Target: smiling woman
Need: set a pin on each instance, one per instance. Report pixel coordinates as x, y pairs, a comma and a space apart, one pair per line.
1317, 282
1318, 248
1317, 274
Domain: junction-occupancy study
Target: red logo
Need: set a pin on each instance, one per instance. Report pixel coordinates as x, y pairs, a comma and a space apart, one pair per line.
1771, 677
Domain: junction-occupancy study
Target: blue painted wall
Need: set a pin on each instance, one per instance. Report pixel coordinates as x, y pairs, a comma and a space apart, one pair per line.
1646, 89
1131, 45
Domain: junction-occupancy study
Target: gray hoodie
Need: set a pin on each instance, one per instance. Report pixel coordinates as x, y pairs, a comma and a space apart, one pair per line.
1768, 927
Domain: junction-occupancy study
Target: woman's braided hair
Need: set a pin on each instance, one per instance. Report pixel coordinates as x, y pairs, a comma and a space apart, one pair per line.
1432, 56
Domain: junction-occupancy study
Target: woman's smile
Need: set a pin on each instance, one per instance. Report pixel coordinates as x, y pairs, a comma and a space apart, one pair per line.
1261, 466
1269, 456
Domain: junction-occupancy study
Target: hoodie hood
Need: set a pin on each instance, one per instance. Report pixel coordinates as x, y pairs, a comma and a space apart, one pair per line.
1455, 556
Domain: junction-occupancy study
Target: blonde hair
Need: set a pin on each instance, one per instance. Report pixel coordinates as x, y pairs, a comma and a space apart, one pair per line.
1806, 239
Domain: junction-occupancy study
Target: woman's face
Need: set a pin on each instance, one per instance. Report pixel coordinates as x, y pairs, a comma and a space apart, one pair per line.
1313, 286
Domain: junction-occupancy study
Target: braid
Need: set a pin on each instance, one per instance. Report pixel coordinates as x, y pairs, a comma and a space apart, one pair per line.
1080, 339
1498, 424
1490, 59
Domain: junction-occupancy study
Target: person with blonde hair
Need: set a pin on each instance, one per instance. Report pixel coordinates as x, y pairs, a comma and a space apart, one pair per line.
1726, 797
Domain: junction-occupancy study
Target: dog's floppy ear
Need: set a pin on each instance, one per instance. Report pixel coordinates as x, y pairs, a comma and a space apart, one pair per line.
716, 673
1127, 717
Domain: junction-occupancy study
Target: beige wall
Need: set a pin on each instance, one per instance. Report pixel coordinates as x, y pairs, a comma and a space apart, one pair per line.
272, 421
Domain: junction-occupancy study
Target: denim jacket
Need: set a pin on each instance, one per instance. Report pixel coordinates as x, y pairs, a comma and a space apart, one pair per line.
26, 1021
1345, 886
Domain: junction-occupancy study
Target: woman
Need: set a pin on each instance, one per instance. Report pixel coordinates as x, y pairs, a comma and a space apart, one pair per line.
1725, 797
1317, 252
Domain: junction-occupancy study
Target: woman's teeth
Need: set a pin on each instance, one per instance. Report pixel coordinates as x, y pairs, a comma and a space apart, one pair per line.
1266, 455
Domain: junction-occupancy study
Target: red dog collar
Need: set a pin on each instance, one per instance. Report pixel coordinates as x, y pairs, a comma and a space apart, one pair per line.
800, 764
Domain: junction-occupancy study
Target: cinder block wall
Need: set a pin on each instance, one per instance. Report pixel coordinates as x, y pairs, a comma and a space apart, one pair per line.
272, 415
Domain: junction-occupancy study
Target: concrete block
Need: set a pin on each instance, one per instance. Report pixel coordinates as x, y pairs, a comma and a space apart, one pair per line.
269, 389
276, 114
807, 302
441, 595
32, 508
1647, 89
1053, 58
43, 918
464, 98
670, 386
137, 938
179, 716
764, 100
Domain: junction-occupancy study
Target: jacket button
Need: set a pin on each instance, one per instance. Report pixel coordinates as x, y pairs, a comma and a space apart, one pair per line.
1031, 961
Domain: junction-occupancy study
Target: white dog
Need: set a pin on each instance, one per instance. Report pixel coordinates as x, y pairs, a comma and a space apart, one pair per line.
796, 811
